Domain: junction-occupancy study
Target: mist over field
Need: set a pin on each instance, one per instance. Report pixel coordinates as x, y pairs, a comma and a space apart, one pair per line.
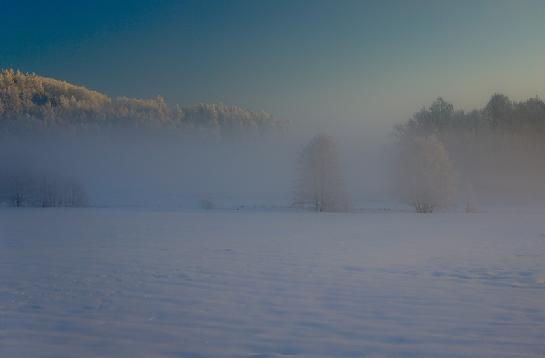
143, 169
261, 179
128, 152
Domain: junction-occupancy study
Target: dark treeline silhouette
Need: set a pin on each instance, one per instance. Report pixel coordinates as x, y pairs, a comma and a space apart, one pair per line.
497, 151
500, 115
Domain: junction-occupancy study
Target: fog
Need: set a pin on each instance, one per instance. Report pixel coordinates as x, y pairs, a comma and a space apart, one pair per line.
65, 145
162, 168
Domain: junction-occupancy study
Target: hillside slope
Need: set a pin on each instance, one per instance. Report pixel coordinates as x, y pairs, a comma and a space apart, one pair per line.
29, 100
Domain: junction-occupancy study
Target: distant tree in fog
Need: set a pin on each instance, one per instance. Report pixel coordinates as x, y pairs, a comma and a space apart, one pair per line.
497, 150
207, 204
470, 204
48, 194
74, 194
499, 111
55, 191
319, 184
19, 188
28, 188
426, 176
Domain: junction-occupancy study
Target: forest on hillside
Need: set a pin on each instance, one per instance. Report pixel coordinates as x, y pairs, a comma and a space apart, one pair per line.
29, 101
59, 139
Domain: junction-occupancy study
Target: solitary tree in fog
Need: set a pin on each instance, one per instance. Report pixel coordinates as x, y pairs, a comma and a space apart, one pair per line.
426, 175
319, 184
19, 188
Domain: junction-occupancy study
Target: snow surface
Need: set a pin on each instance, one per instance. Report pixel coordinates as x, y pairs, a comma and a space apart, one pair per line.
137, 283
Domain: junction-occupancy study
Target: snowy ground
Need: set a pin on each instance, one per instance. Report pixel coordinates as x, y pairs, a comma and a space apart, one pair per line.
135, 283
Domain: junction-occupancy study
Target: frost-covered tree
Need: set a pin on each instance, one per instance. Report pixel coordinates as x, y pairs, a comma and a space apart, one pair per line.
426, 176
319, 184
497, 150
31, 102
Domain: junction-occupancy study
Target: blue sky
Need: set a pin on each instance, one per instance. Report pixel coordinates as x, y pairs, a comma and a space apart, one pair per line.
370, 62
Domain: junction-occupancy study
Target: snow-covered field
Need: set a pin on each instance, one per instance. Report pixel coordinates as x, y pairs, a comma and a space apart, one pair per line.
137, 283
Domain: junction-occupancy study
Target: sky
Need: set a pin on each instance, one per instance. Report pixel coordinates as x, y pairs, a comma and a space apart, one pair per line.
332, 62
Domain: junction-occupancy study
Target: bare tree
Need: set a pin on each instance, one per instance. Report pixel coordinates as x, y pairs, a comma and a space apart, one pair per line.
73, 194
26, 188
60, 192
19, 188
48, 193
319, 185
426, 176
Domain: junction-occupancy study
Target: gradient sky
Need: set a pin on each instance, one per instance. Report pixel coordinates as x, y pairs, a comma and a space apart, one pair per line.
368, 62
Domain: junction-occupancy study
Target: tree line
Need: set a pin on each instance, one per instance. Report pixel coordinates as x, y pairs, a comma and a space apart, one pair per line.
445, 157
493, 152
29, 101
22, 187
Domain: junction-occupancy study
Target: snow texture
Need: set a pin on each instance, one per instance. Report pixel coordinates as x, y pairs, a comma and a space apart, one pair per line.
143, 283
